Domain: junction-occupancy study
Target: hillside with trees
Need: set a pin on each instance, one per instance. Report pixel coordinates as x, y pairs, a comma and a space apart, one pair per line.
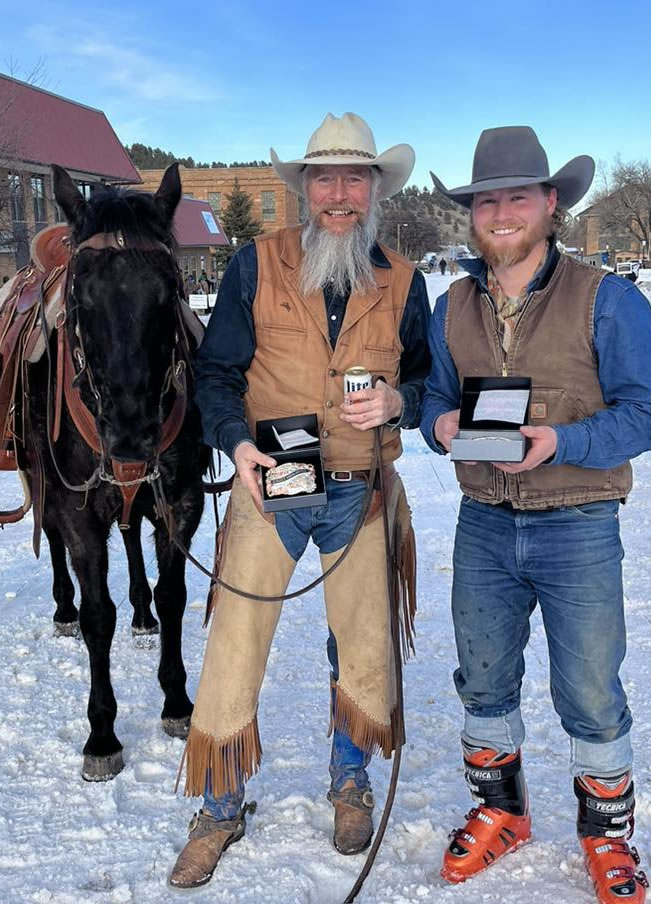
145, 157
420, 221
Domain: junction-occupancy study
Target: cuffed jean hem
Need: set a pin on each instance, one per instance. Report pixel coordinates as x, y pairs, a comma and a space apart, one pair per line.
605, 760
505, 734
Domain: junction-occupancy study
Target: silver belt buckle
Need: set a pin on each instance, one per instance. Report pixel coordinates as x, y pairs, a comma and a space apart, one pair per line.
341, 476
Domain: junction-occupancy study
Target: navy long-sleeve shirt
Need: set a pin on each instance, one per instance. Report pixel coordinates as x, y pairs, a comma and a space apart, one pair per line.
622, 343
229, 345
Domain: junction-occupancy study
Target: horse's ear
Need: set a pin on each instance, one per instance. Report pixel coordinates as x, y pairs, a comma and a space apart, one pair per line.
68, 197
169, 193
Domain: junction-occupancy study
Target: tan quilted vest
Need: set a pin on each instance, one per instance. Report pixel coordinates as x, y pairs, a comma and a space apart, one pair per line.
553, 344
296, 371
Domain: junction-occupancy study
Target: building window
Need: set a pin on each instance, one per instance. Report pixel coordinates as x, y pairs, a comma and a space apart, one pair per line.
16, 198
215, 201
188, 194
38, 197
268, 205
85, 188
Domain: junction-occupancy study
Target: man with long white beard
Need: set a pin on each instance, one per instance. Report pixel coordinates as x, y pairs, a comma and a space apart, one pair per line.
543, 531
296, 309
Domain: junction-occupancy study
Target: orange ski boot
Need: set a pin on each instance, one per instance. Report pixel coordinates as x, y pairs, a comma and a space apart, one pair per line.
604, 824
500, 823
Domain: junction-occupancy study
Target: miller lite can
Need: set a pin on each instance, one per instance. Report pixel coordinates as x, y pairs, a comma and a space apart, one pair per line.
356, 378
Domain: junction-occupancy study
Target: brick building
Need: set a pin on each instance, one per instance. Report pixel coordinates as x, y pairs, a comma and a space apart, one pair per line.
38, 128
599, 243
274, 204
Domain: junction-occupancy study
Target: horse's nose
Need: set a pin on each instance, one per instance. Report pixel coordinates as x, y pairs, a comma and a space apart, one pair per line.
138, 444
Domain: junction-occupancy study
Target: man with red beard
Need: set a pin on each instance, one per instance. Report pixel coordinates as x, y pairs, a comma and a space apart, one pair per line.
544, 531
295, 310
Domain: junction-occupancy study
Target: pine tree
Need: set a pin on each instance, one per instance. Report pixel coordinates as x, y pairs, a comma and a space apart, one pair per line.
238, 222
237, 218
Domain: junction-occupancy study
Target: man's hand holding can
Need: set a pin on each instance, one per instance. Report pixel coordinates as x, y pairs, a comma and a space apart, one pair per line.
369, 408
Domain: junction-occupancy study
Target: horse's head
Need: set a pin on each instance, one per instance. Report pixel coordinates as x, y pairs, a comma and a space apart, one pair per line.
123, 307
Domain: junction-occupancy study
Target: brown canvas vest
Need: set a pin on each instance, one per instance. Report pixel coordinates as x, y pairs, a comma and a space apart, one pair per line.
553, 344
295, 370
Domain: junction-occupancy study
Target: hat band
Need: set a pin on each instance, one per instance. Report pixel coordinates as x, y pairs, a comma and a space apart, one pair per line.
509, 176
340, 152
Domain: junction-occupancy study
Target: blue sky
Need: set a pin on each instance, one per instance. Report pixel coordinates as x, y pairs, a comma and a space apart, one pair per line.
225, 80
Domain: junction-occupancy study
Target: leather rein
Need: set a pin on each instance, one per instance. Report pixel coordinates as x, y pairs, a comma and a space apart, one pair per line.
73, 365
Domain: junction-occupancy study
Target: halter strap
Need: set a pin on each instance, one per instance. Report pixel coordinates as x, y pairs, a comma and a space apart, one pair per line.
116, 241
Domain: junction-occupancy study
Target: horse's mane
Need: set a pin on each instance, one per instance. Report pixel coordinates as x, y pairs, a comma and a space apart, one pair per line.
133, 213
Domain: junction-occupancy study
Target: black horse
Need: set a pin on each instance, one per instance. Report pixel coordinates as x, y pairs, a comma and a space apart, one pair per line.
127, 426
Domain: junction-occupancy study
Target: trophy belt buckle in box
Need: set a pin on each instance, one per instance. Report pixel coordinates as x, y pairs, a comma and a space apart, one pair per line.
492, 410
298, 480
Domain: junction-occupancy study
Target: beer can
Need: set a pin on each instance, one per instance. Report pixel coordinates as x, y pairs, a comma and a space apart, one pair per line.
356, 378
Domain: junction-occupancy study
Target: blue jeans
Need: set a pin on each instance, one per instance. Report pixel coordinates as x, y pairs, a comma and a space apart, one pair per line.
330, 526
569, 561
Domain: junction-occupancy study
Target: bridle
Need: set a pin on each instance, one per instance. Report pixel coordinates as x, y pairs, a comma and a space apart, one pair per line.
73, 366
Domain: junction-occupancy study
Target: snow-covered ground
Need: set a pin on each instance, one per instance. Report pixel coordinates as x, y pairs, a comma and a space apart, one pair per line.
63, 841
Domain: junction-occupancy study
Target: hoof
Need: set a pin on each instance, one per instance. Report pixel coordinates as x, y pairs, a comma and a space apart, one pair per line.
102, 768
177, 728
144, 630
66, 629
145, 640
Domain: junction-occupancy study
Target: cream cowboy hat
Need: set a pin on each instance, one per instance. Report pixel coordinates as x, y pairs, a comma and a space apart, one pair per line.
349, 142
511, 156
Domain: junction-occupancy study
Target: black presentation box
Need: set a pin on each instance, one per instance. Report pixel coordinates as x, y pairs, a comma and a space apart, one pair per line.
490, 420
309, 453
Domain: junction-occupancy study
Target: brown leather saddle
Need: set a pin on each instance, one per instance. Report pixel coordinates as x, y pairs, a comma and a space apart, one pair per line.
22, 341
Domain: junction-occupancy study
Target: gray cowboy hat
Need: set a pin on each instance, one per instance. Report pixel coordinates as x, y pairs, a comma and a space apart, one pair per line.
512, 155
348, 141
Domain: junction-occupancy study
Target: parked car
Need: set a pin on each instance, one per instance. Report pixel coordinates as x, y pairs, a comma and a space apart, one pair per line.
626, 267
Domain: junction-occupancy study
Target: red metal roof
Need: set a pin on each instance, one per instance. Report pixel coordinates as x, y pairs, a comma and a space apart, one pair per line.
39, 127
195, 224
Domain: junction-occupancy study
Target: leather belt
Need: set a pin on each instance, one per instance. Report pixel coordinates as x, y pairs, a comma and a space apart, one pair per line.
346, 476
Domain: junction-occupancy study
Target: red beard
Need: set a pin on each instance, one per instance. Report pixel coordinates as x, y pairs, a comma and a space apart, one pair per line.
497, 254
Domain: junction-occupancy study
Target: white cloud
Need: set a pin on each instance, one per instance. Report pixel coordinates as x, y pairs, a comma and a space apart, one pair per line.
136, 73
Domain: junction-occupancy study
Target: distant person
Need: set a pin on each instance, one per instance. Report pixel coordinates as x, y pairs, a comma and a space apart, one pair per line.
431, 265
190, 285
204, 284
544, 531
442, 266
453, 267
5, 279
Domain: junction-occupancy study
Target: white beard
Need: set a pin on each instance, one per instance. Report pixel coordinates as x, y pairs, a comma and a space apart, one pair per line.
341, 260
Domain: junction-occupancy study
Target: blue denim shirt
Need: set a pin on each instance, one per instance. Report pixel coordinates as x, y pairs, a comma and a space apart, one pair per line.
622, 343
229, 345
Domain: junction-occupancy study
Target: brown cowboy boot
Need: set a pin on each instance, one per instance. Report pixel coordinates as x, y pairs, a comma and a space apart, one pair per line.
207, 841
353, 818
